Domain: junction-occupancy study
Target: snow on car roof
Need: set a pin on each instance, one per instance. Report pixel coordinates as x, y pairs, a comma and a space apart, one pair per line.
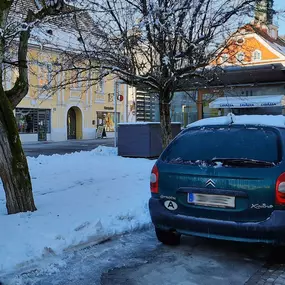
146, 123
231, 119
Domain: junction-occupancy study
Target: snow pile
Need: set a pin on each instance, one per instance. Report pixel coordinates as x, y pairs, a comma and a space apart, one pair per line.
262, 120
106, 151
81, 197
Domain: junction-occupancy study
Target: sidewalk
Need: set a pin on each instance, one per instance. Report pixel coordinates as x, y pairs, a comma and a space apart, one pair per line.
81, 198
67, 141
272, 275
49, 148
272, 272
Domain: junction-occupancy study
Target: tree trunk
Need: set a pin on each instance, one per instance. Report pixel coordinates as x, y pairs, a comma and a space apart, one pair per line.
165, 120
14, 170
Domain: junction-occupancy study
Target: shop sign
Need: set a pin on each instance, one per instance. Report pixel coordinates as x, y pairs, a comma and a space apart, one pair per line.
269, 104
108, 108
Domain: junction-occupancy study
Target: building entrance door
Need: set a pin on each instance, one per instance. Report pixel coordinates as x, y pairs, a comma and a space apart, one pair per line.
43, 117
71, 124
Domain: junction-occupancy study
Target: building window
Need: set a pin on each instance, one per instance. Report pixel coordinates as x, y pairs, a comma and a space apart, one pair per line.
28, 120
224, 57
76, 79
240, 41
100, 86
106, 119
257, 55
111, 97
248, 93
44, 75
240, 56
100, 97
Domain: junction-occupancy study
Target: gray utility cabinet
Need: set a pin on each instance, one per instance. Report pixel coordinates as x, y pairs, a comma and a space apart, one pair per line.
142, 139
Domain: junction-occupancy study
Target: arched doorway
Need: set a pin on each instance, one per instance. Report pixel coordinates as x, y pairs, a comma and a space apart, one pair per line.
74, 123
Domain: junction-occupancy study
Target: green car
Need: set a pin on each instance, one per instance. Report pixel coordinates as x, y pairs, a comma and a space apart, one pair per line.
222, 179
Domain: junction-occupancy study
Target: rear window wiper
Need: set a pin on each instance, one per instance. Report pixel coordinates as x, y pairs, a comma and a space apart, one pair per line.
187, 162
242, 161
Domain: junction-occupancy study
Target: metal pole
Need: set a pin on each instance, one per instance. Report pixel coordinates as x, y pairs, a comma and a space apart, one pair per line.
126, 98
115, 113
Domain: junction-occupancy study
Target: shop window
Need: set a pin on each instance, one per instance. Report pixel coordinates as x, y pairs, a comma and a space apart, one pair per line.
248, 93
107, 119
28, 120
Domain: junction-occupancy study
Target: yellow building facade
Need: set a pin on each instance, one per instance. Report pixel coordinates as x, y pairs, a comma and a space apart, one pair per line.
71, 112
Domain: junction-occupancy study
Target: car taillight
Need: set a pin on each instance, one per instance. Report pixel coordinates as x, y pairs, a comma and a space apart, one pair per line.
280, 190
154, 180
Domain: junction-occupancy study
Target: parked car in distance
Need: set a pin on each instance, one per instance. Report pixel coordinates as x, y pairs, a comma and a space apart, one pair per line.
222, 178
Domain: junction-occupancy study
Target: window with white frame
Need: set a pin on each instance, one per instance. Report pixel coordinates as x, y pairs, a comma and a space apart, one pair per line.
100, 86
76, 79
44, 74
256, 55
240, 56
240, 41
225, 57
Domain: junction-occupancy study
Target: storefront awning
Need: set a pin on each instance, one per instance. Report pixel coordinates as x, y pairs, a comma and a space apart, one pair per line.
248, 102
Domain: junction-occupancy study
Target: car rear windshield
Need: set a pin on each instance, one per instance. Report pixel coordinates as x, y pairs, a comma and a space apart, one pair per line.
206, 144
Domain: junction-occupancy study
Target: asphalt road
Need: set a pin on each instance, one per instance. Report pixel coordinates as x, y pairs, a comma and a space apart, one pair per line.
49, 148
139, 259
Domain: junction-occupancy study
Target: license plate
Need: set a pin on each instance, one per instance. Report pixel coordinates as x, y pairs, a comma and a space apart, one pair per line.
209, 200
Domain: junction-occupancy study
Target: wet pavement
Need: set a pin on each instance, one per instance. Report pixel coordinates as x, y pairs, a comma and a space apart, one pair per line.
49, 148
138, 258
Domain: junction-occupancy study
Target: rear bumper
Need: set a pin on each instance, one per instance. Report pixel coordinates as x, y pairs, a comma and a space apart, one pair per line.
270, 231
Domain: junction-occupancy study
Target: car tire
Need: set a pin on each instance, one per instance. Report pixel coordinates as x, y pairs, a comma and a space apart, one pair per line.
277, 255
167, 237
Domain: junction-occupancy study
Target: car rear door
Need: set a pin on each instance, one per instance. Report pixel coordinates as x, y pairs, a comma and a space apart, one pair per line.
235, 192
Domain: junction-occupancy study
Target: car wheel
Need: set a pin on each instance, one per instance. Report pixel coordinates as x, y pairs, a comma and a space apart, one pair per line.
167, 237
277, 255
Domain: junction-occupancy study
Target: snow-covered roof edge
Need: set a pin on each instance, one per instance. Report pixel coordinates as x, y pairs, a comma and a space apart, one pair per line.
146, 123
231, 119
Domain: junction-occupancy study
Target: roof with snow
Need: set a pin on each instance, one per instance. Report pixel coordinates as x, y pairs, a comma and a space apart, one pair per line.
58, 32
252, 120
278, 44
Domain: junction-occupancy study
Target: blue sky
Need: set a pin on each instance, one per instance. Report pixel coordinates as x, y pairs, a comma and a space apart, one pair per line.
280, 4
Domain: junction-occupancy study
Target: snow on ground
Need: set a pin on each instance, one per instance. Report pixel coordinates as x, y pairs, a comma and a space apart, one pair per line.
81, 197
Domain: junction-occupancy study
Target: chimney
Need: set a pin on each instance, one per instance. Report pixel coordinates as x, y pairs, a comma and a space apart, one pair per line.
273, 31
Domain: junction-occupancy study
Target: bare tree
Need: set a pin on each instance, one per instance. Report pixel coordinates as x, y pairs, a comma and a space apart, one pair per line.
155, 45
17, 19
